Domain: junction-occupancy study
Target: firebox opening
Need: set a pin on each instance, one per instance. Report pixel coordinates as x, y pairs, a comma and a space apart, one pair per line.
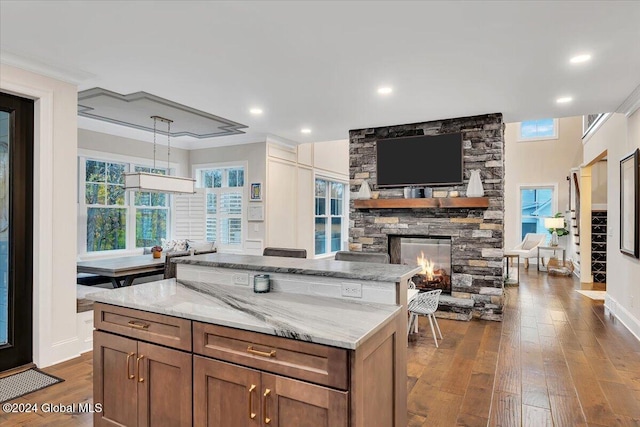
432, 254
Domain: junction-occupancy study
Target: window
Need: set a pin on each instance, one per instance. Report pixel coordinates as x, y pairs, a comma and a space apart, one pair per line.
116, 220
152, 213
533, 130
106, 211
330, 220
535, 205
225, 205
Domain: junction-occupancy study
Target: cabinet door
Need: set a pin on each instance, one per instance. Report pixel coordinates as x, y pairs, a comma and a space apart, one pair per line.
114, 381
292, 403
224, 394
164, 379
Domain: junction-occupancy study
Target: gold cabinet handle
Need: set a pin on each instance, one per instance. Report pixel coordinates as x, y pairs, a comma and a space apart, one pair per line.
140, 378
266, 394
252, 415
251, 350
129, 374
138, 325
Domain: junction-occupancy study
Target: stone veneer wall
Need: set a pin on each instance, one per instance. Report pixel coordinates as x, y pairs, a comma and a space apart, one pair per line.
476, 234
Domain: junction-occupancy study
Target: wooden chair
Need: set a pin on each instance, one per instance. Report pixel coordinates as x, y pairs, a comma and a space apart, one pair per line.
425, 304
362, 257
285, 252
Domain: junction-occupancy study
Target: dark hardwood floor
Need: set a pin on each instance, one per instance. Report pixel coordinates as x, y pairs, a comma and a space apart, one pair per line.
77, 388
555, 360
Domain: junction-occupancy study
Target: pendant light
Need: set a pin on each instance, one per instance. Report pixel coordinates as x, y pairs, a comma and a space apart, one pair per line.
154, 182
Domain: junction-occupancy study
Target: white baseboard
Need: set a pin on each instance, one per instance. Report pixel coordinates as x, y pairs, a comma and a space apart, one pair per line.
85, 331
623, 315
60, 351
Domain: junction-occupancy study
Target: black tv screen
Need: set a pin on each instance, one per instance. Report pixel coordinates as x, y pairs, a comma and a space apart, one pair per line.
420, 160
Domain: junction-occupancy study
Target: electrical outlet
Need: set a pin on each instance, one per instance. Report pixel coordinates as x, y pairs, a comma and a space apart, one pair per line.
352, 290
241, 279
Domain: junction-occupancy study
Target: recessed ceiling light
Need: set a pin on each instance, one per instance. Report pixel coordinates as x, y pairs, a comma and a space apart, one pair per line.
385, 90
256, 111
564, 100
305, 130
580, 58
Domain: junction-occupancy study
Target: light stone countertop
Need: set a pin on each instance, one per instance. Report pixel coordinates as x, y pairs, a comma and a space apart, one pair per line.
329, 321
315, 267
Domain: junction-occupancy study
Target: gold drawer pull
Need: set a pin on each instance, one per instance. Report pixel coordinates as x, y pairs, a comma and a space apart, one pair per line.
138, 325
252, 415
267, 420
251, 350
129, 374
140, 378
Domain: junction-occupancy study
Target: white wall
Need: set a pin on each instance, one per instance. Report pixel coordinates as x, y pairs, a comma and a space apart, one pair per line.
599, 184
618, 136
55, 335
255, 156
545, 162
291, 173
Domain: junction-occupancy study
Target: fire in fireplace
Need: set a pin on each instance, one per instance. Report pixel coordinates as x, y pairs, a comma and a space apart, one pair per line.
431, 277
433, 255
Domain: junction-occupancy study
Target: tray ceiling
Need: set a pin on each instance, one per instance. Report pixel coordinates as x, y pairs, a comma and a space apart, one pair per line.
135, 110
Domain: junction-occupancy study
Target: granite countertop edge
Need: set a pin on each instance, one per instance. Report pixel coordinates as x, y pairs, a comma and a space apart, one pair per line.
109, 297
326, 268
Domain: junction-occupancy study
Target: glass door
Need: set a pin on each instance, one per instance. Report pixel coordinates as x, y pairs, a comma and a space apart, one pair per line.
4, 227
16, 231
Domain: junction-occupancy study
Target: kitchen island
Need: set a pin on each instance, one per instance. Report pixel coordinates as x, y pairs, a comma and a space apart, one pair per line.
211, 352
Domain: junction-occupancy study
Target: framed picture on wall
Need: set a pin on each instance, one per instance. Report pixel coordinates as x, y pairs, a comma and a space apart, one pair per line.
630, 205
256, 192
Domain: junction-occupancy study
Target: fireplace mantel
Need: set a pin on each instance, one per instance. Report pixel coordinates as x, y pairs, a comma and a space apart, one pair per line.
435, 202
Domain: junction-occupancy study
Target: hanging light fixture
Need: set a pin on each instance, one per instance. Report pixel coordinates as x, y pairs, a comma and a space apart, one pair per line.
155, 182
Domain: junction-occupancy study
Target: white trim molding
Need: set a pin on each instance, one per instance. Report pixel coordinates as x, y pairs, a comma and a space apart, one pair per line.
631, 104
54, 330
58, 72
618, 311
594, 127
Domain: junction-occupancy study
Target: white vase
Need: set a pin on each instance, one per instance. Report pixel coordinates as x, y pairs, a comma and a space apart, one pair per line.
474, 188
365, 191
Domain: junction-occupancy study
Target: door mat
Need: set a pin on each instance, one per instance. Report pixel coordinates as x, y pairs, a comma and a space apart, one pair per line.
25, 382
595, 295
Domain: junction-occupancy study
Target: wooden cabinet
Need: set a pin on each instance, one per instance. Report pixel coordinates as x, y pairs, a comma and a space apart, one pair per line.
114, 380
235, 396
224, 377
140, 384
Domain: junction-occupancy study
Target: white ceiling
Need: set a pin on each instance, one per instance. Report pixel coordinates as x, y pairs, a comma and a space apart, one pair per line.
318, 64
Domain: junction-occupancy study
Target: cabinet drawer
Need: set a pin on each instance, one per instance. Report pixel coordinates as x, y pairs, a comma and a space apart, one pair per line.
154, 328
296, 359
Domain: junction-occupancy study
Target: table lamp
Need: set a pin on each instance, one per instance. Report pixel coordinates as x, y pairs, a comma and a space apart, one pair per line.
554, 224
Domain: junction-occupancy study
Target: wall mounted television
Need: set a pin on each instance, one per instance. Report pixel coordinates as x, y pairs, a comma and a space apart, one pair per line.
420, 160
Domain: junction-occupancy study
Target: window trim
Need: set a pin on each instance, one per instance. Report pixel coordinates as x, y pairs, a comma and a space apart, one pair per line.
556, 132
554, 204
196, 174
345, 212
84, 155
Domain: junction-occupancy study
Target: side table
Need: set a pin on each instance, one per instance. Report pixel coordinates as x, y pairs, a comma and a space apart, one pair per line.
509, 258
550, 248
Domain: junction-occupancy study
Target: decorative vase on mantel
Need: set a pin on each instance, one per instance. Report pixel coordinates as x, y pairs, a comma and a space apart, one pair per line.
474, 188
365, 191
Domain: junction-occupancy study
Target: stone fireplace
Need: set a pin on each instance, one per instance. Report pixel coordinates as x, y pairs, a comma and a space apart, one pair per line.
432, 254
475, 234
